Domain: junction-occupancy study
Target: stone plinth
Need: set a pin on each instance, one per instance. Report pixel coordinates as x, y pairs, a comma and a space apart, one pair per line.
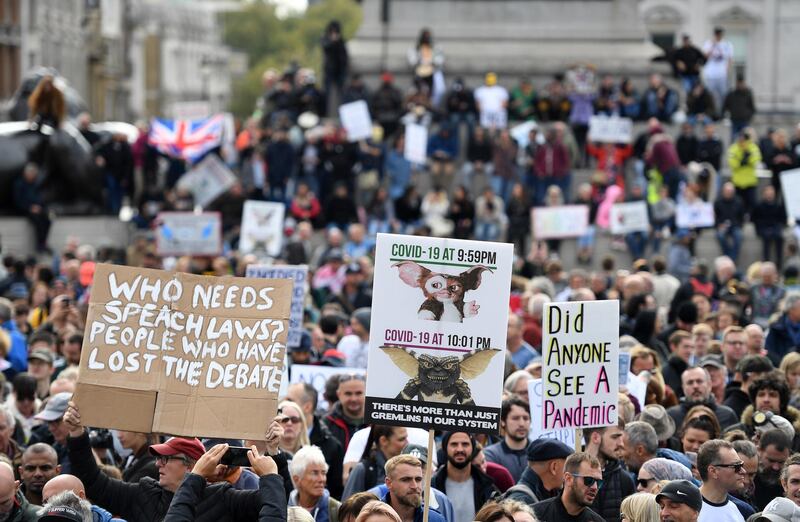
534, 38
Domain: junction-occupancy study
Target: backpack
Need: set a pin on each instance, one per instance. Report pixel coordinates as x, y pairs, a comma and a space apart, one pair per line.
521, 488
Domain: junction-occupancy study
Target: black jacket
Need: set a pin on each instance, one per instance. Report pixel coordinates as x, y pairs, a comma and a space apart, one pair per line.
736, 398
191, 493
672, 372
148, 501
617, 484
532, 481
729, 212
769, 217
553, 509
338, 425
779, 340
322, 438
484, 488
142, 465
725, 415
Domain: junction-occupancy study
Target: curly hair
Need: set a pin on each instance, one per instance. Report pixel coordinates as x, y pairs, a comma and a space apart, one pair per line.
774, 380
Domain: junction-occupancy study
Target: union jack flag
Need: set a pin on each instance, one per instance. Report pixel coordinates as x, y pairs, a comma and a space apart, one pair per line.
187, 139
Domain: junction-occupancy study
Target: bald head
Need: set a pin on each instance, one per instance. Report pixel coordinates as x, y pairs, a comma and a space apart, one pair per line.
8, 487
63, 483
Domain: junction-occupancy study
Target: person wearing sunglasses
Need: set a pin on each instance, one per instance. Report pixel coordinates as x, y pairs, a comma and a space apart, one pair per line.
721, 470
583, 478
655, 470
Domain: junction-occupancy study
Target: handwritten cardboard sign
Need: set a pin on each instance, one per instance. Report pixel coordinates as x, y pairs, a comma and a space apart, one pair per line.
580, 347
175, 353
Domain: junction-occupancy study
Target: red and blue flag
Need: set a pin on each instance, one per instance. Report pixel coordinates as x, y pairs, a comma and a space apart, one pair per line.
187, 139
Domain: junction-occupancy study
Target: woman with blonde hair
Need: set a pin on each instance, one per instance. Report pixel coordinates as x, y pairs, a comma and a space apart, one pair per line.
790, 367
641, 507
377, 511
295, 431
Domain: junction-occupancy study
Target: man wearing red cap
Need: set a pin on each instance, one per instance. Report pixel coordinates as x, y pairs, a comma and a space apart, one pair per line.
184, 466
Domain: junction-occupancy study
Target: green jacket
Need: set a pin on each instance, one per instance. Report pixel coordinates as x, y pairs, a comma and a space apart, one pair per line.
743, 159
24, 511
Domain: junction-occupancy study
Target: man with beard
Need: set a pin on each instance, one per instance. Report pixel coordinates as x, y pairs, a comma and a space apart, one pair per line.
404, 480
748, 452
14, 507
790, 479
582, 480
774, 447
606, 445
464, 484
696, 383
39, 464
511, 452
721, 470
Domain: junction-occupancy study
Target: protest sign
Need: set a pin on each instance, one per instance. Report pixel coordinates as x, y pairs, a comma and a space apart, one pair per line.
262, 227
536, 432
183, 354
188, 234
610, 129
298, 274
438, 333
790, 189
580, 347
208, 180
699, 214
317, 376
416, 143
356, 120
624, 367
625, 218
559, 222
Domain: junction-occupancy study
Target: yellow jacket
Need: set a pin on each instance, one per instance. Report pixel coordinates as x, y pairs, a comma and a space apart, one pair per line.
743, 159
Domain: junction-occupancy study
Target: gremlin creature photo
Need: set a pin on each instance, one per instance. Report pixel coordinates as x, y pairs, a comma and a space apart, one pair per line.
439, 379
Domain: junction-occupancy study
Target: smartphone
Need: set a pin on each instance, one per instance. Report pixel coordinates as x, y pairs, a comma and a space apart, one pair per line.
235, 456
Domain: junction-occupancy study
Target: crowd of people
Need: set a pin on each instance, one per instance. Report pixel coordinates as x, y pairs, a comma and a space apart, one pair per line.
714, 436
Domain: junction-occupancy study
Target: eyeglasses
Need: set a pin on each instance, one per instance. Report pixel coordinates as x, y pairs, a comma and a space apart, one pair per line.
645, 483
164, 459
589, 481
738, 467
287, 420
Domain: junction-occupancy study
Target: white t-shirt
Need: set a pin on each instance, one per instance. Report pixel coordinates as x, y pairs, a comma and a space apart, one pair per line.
491, 100
717, 63
354, 350
727, 512
358, 442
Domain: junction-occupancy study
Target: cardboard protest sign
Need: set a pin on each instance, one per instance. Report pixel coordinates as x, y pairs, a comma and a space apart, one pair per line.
208, 180
298, 274
610, 129
536, 432
559, 222
580, 348
188, 234
262, 227
416, 143
182, 354
317, 376
790, 190
356, 120
699, 214
629, 217
438, 333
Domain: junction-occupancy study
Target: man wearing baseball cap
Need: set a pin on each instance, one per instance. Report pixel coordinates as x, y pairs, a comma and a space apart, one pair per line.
780, 510
680, 501
53, 414
184, 469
